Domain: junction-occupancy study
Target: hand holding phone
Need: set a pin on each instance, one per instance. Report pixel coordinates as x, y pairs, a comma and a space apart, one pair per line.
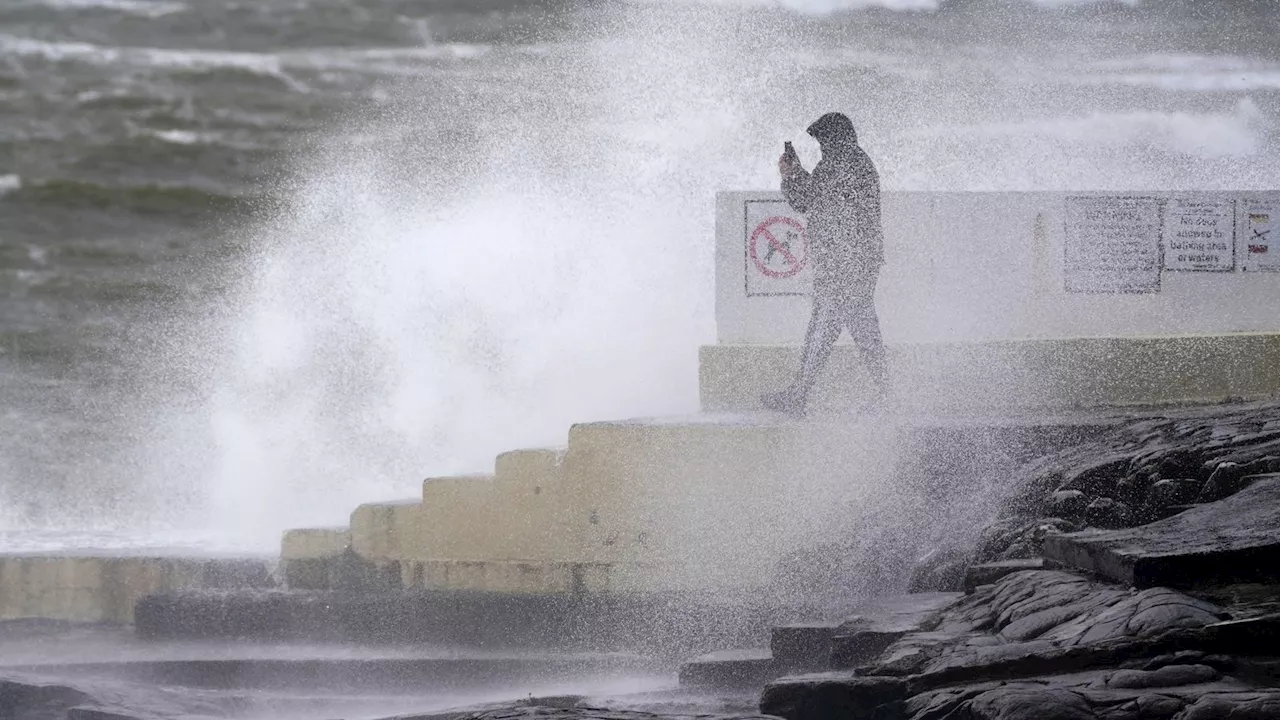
789, 160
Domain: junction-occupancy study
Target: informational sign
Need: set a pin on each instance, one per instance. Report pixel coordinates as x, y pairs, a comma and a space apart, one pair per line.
1199, 235
1112, 244
776, 257
1259, 238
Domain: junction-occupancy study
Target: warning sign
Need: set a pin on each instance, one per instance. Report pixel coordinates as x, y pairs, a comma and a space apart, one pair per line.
1112, 244
776, 250
1259, 236
1199, 235
777, 247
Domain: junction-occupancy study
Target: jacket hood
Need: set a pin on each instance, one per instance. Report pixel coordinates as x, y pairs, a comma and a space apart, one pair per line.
834, 129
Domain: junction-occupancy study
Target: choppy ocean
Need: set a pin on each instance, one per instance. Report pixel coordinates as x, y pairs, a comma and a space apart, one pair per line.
261, 260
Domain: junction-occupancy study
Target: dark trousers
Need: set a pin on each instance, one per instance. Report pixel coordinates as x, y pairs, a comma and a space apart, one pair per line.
839, 305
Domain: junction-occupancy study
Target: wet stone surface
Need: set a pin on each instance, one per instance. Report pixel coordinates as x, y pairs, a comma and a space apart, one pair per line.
1231, 540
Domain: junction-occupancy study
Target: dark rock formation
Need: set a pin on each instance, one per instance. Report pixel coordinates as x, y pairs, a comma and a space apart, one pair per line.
833, 695
37, 700
1233, 540
1144, 469
530, 711
879, 624
1041, 644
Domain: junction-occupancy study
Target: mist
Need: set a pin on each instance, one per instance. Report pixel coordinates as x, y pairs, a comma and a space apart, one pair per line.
511, 238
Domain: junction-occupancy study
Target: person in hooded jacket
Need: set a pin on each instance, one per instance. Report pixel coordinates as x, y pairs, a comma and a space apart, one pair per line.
840, 201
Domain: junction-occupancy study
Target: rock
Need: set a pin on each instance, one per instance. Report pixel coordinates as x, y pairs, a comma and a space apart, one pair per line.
1247, 636
1168, 676
1020, 549
987, 573
1037, 531
1234, 540
1259, 706
21, 699
94, 713
1173, 491
1229, 478
1054, 700
533, 711
941, 570
729, 669
1067, 503
1031, 703
1107, 513
1045, 622
803, 647
1099, 477
1133, 489
832, 695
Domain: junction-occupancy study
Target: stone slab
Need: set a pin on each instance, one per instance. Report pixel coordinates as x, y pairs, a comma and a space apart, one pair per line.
1235, 540
729, 669
879, 623
987, 573
803, 647
822, 696
314, 543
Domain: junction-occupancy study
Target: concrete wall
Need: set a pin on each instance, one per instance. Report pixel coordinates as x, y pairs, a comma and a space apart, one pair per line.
990, 266
103, 588
975, 305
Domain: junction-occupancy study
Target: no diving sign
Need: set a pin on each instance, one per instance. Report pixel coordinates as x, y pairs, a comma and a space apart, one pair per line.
776, 252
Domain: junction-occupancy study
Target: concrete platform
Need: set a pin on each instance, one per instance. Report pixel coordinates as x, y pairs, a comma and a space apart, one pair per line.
1033, 374
104, 585
668, 626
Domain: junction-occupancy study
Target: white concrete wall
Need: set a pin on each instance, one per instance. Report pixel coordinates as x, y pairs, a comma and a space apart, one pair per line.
988, 266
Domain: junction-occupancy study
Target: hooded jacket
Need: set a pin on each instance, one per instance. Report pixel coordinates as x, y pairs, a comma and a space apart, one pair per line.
840, 200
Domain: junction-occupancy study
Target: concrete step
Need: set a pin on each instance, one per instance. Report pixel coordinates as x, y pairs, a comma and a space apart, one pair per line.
537, 469
729, 670
385, 531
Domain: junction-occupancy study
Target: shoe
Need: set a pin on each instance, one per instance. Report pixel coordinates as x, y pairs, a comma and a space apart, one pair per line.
786, 401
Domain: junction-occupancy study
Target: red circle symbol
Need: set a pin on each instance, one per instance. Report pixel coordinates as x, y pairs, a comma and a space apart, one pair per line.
780, 257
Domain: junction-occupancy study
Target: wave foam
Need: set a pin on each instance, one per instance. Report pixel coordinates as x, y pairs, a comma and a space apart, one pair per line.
144, 8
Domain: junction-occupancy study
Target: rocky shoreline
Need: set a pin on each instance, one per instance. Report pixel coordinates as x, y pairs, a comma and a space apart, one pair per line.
1131, 577
1132, 573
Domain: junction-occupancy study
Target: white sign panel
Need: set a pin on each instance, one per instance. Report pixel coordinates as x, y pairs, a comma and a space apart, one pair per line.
1112, 245
775, 250
1199, 235
1259, 244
